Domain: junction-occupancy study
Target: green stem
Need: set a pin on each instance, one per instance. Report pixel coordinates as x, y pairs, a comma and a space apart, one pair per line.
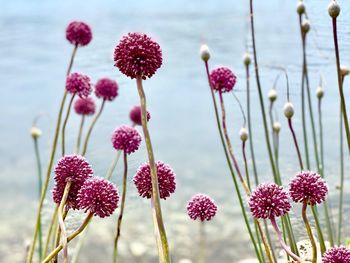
202, 243
163, 250
51, 227
341, 195
309, 232
319, 231
113, 165
65, 124
77, 147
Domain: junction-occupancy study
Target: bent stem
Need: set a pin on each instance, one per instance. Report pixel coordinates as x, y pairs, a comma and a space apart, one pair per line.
164, 256
120, 218
91, 127
80, 132
319, 231
284, 246
65, 124
295, 143
309, 232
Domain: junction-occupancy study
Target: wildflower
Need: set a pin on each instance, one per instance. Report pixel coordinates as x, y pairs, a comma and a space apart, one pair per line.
78, 84
222, 79
337, 255
205, 53
106, 89
288, 110
85, 106
135, 115
126, 139
78, 33
201, 206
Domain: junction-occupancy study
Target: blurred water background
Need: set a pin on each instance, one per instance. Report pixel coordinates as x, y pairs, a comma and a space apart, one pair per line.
34, 56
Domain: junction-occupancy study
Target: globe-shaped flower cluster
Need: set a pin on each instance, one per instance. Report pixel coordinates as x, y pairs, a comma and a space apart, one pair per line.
78, 33
78, 83
201, 207
337, 255
85, 106
222, 79
135, 115
126, 139
107, 89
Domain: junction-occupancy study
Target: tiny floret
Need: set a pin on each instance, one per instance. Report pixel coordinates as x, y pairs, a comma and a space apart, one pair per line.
35, 132
107, 89
85, 106
166, 180
288, 110
126, 139
78, 33
272, 95
334, 9
201, 207
223, 79
135, 115
337, 255
204, 52
247, 59
99, 197
319, 92
269, 200
243, 134
138, 55
78, 84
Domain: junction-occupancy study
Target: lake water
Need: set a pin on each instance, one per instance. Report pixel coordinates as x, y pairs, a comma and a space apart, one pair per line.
34, 56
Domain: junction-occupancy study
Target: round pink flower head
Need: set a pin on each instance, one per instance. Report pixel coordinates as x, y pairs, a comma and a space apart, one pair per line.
126, 139
308, 186
222, 79
78, 84
138, 55
85, 106
337, 255
269, 200
201, 206
166, 180
106, 89
98, 196
135, 115
72, 168
78, 33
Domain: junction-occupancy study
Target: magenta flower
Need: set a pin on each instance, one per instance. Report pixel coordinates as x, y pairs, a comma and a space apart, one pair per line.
337, 255
72, 168
85, 106
135, 115
126, 139
106, 89
308, 186
222, 79
98, 196
166, 180
269, 200
78, 33
78, 84
201, 206
138, 55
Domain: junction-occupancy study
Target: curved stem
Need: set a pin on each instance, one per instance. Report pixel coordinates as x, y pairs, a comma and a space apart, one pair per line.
91, 127
309, 232
120, 218
284, 246
164, 255
80, 132
246, 165
65, 124
113, 165
52, 223
295, 143
319, 231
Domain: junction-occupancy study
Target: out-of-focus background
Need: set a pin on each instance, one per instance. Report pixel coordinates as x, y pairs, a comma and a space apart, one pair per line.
33, 59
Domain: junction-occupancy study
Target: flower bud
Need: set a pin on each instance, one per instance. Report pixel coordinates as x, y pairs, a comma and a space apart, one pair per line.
319, 92
300, 8
272, 95
276, 127
35, 132
243, 134
288, 110
204, 52
246, 59
344, 70
305, 26
333, 9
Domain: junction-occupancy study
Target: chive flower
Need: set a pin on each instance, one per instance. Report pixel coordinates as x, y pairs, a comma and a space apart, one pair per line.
126, 139
106, 89
85, 106
201, 207
78, 84
223, 79
337, 255
78, 33
135, 115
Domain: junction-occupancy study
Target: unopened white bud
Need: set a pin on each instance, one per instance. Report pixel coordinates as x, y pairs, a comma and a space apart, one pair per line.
272, 95
288, 110
333, 9
276, 127
300, 8
344, 70
35, 132
305, 26
246, 59
243, 134
204, 52
319, 92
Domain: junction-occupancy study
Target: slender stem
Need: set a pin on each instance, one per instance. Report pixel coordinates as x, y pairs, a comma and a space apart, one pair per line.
120, 218
309, 232
77, 147
341, 195
164, 255
202, 243
91, 127
70, 238
51, 227
321, 133
246, 165
295, 143
284, 246
319, 231
65, 124
48, 173
113, 165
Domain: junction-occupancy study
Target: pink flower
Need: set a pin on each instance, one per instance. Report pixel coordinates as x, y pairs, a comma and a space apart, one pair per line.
72, 168
106, 89
308, 186
166, 180
337, 255
78, 84
78, 33
85, 106
135, 115
138, 55
98, 196
268, 201
126, 139
201, 206
222, 79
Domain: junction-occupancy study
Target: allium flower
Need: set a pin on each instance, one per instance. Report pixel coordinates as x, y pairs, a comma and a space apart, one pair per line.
138, 55
201, 206
72, 168
106, 89
337, 255
78, 33
269, 200
98, 196
223, 79
135, 115
126, 139
166, 180
79, 84
308, 186
85, 106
